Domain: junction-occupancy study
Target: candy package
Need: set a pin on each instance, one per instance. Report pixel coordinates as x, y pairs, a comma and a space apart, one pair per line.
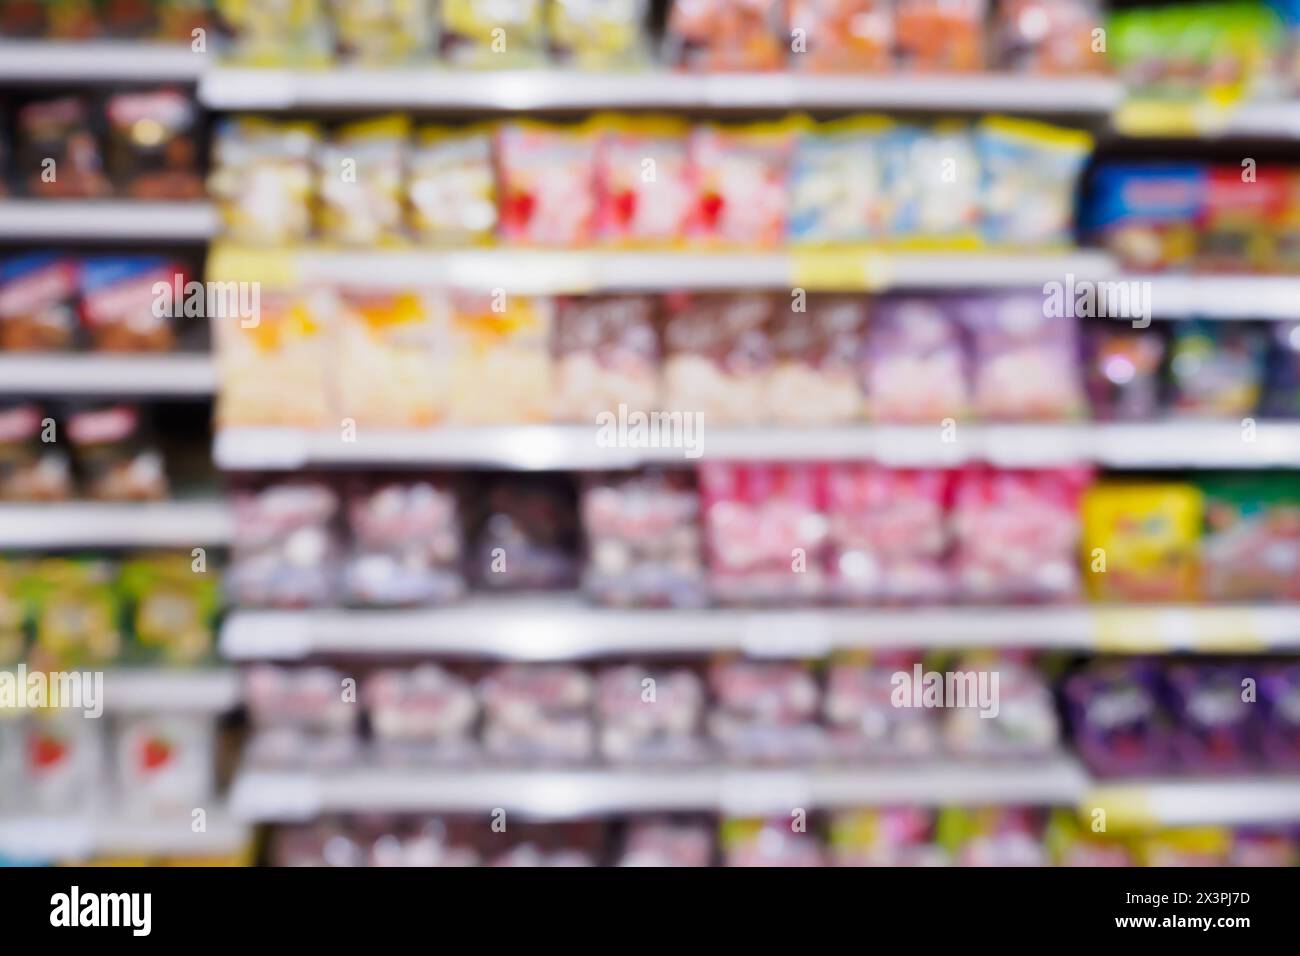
1146, 214
934, 184
1123, 373
863, 724
310, 698
742, 178
119, 302
501, 365
493, 35
1251, 547
1241, 219
768, 843
285, 550
765, 712
13, 633
152, 148
537, 713
58, 152
653, 842
1116, 717
1279, 693
601, 35
114, 454
999, 836
1050, 36
1216, 369
1016, 720
1186, 846
173, 607
63, 760
53, 19
76, 613
360, 182
451, 186
842, 36
1215, 728
383, 32
1141, 541
262, 180
606, 356
1282, 379
838, 182
725, 35
1029, 172
718, 354
277, 32
940, 35
885, 836
814, 376
914, 363
421, 714
643, 181
165, 762
37, 302
650, 715
525, 535
546, 173
1074, 844
31, 469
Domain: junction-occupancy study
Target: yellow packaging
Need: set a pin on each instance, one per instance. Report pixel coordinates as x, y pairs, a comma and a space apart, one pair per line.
1141, 541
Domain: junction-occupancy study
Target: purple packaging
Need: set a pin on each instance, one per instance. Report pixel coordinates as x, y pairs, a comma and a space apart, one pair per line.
1279, 695
1214, 728
1117, 722
914, 362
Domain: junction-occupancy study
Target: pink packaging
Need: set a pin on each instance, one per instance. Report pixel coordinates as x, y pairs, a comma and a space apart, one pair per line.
547, 184
766, 712
914, 368
644, 186
741, 178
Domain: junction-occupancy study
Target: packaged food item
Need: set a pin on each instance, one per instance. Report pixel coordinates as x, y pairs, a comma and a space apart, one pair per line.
1009, 712
421, 715
115, 455
1282, 380
914, 363
718, 354
768, 843
1279, 693
1123, 372
31, 469
765, 712
940, 35
406, 545
1073, 844
1214, 728
885, 836
1117, 722
360, 182
888, 534
602, 35
1049, 36
1017, 533
383, 32
766, 532
537, 713
650, 715
13, 640
501, 365
173, 607
1148, 536
555, 844
494, 36
1029, 172
643, 541
119, 307
76, 613
1146, 214
1185, 846
451, 186
1026, 362
813, 380
606, 355
284, 550
176, 20
152, 145
655, 842
63, 759
277, 32
58, 152
1216, 369
842, 36
742, 178
934, 185
643, 180
262, 181
53, 19
307, 697
838, 187
1251, 547
37, 302
391, 355
525, 535
725, 35
1264, 847
992, 836
1241, 219
165, 762
862, 722
546, 174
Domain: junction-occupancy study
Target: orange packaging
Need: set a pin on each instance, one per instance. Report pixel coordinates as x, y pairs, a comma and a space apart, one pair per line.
941, 35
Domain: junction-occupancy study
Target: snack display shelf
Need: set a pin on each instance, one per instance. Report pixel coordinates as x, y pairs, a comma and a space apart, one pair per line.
563, 628
233, 88
94, 524
29, 220
544, 272
1224, 297
1162, 444
56, 838
553, 793
164, 375
53, 61
1224, 801
175, 690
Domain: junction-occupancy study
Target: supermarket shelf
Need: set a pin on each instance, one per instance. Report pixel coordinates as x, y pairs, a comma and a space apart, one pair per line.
1224, 297
1166, 444
545, 272
182, 524
106, 219
105, 374
1176, 802
44, 61
228, 88
260, 795
175, 690
58, 838
563, 628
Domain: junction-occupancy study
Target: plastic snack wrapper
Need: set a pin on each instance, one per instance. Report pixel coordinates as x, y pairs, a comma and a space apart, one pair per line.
650, 715
862, 722
1250, 550
768, 843
1149, 535
118, 302
501, 364
307, 697
58, 152
1020, 724
643, 180
152, 147
1282, 385
599, 35
546, 177
1049, 36
421, 714
838, 187
718, 353
1123, 373
940, 35
1215, 730
1241, 219
165, 763
1029, 175
914, 364
359, 179
63, 761
285, 549
606, 356
885, 836
383, 32
1072, 843
742, 178
114, 454
538, 713
726, 35
524, 535
813, 379
173, 608
262, 180
1279, 688
493, 34
76, 613
1004, 836
934, 185
766, 712
406, 545
1146, 214
654, 842
37, 302
278, 32
842, 36
1216, 369
30, 469
451, 186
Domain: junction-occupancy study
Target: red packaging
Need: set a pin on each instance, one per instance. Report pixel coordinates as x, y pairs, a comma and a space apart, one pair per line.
741, 179
644, 187
1241, 219
547, 184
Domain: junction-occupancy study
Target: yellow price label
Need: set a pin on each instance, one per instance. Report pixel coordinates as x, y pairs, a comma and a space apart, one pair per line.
836, 270
1127, 631
1124, 808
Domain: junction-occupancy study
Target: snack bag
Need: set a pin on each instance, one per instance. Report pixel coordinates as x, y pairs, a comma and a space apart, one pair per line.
285, 549
600, 35
606, 355
359, 182
165, 763
120, 308
152, 145
1185, 846
1030, 172
305, 697
838, 184
75, 613
1279, 692
1241, 219
1049, 36
663, 729
1264, 847
13, 624
862, 722
1123, 373
842, 36
992, 836
262, 181
538, 713
1073, 844
1012, 719
1282, 391
1017, 534
813, 380
718, 353
742, 178
392, 356
725, 35
115, 454
1149, 535
383, 32
547, 176
1216, 369
493, 35
37, 302
1146, 214
173, 607
765, 712
500, 368
664, 843
525, 535
1026, 363
1251, 547
886, 836
1215, 730
451, 186
63, 759
643, 178
933, 176
914, 366
58, 152
940, 35
421, 714
31, 469
277, 32
51, 19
